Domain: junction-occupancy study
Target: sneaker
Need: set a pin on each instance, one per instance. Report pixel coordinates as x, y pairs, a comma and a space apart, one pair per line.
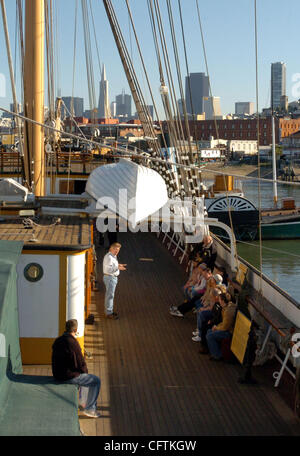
195, 333
173, 308
212, 358
176, 313
196, 339
92, 413
113, 316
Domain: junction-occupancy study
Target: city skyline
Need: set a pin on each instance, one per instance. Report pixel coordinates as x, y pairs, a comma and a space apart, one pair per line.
229, 46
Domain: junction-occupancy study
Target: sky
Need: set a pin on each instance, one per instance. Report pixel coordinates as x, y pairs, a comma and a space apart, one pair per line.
229, 35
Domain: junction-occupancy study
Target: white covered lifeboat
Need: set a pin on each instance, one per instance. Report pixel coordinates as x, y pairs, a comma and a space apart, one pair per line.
128, 189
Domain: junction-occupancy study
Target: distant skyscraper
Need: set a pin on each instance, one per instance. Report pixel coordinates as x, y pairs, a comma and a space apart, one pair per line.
284, 102
103, 106
278, 83
77, 107
244, 107
19, 108
150, 109
212, 108
196, 87
180, 106
123, 107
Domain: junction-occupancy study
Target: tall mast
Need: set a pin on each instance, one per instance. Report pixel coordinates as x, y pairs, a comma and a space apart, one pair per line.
34, 92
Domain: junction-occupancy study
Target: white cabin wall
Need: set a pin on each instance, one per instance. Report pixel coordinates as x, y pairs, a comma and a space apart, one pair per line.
39, 301
76, 290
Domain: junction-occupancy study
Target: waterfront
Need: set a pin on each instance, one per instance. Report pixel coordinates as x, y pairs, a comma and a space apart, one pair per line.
280, 259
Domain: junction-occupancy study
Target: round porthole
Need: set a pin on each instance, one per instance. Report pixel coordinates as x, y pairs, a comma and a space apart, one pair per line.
33, 272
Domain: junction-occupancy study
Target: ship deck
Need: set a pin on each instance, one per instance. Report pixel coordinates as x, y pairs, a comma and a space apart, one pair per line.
154, 381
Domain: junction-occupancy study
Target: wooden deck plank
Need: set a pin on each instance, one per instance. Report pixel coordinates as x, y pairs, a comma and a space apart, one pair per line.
153, 380
184, 393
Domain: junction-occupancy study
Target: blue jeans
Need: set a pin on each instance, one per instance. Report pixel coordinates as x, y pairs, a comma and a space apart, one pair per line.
110, 283
198, 304
214, 339
186, 293
93, 383
202, 317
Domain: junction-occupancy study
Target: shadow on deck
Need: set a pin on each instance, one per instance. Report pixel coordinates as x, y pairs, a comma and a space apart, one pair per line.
154, 381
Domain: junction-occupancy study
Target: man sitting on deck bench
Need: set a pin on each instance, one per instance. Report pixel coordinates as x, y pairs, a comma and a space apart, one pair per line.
68, 365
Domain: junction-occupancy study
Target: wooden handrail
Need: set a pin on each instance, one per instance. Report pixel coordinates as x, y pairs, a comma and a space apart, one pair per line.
266, 316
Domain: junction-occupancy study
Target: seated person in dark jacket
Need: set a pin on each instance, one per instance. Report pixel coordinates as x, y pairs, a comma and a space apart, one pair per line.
205, 252
68, 365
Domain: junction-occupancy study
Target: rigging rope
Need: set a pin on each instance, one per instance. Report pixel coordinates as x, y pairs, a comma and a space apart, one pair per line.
57, 47
137, 93
166, 104
173, 127
215, 120
258, 141
26, 176
173, 118
95, 36
169, 175
283, 252
193, 176
188, 74
176, 57
89, 59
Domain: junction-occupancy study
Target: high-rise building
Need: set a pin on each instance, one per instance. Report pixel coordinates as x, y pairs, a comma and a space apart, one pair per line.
150, 110
77, 107
123, 105
180, 106
244, 108
284, 103
278, 83
196, 88
19, 107
212, 108
103, 105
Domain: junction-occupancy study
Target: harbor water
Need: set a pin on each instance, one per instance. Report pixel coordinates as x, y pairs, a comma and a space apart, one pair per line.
280, 259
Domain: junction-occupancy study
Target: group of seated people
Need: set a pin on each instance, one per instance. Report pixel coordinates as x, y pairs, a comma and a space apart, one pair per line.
209, 294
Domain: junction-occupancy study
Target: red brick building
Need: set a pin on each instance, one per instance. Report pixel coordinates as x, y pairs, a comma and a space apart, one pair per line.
238, 129
289, 126
242, 129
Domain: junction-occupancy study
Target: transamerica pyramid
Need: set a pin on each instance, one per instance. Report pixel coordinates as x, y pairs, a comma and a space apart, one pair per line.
103, 106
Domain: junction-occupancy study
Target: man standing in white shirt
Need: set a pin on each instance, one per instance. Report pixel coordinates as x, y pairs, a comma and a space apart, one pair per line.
111, 271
